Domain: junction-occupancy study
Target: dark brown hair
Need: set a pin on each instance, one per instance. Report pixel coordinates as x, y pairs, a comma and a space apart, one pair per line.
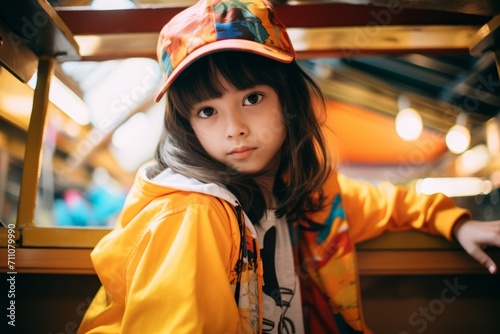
305, 162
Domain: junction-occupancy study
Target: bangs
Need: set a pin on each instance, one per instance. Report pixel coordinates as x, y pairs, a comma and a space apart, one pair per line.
201, 80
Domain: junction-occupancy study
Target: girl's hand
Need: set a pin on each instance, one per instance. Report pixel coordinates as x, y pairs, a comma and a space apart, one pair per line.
475, 235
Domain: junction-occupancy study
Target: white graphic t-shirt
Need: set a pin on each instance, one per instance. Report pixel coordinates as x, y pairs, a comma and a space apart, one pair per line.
281, 292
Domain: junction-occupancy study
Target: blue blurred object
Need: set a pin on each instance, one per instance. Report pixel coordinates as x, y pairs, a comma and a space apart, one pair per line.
106, 204
96, 207
72, 210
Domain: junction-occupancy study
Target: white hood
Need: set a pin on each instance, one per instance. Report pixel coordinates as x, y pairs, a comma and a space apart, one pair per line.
168, 178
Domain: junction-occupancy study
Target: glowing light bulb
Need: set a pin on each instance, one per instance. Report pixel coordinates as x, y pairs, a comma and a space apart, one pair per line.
409, 124
458, 139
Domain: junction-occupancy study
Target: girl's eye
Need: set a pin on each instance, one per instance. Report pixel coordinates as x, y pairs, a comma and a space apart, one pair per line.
253, 98
206, 112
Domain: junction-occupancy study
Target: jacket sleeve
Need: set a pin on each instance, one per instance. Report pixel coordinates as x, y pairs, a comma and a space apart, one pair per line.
176, 278
371, 209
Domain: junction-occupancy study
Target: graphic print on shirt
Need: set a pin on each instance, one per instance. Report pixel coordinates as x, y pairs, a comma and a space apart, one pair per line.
271, 287
281, 296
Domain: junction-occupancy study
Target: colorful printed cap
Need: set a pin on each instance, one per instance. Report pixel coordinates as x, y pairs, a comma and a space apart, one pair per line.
215, 25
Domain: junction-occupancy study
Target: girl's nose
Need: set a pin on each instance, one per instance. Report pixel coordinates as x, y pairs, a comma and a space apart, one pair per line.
236, 127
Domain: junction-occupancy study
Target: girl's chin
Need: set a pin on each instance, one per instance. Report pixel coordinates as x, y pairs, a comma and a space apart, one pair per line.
247, 169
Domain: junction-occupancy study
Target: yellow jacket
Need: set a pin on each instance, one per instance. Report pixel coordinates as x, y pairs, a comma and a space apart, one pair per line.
182, 253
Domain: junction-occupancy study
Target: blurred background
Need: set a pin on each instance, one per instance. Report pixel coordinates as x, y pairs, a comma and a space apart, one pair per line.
413, 98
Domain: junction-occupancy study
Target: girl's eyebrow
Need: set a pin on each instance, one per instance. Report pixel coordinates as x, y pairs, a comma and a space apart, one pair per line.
254, 88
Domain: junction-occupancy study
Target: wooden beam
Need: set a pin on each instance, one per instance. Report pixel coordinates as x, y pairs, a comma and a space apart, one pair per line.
62, 237
403, 262
348, 42
17, 58
34, 144
476, 7
38, 26
339, 42
87, 21
50, 261
487, 39
395, 262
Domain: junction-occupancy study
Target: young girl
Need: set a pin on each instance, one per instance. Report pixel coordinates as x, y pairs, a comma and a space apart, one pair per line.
242, 225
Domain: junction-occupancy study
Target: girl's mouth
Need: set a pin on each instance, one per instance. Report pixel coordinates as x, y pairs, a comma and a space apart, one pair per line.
242, 152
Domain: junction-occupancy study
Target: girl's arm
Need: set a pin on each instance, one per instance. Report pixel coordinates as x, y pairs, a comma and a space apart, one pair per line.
371, 210
474, 236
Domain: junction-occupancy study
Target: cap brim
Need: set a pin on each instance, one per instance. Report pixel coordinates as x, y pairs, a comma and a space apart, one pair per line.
226, 45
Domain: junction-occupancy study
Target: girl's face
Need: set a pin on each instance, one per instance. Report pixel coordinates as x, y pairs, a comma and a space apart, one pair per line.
243, 129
